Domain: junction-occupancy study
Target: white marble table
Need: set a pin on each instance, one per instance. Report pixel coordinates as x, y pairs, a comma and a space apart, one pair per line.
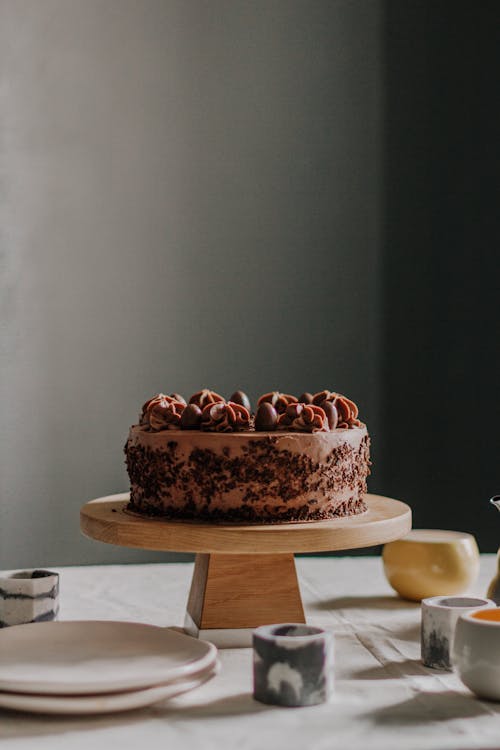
384, 697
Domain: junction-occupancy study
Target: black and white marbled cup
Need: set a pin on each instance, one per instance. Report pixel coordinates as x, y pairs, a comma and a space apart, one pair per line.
439, 618
292, 664
28, 596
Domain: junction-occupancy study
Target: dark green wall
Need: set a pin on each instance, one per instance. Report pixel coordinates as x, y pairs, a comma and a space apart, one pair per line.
441, 295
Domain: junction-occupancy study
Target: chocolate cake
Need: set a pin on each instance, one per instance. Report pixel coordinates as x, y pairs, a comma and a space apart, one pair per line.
212, 460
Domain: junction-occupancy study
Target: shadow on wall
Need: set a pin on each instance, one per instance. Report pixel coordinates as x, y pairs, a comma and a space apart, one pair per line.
441, 270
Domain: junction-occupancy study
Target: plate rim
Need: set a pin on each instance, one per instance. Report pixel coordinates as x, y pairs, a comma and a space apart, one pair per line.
100, 703
102, 687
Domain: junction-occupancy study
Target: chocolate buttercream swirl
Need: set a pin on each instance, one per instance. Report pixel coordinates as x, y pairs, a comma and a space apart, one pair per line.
347, 409
159, 398
225, 417
303, 418
178, 397
162, 414
204, 397
279, 400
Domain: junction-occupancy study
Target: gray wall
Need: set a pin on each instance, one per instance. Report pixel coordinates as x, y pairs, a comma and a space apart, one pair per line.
190, 197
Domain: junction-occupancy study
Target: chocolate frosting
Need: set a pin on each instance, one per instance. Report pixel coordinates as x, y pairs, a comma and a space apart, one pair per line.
306, 398
158, 399
303, 418
279, 400
178, 397
225, 417
204, 397
162, 414
248, 477
240, 397
346, 409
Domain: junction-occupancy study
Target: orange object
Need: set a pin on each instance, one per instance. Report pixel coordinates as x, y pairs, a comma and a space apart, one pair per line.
493, 615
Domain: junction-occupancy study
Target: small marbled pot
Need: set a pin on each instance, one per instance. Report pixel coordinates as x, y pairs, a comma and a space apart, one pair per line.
28, 596
292, 664
439, 619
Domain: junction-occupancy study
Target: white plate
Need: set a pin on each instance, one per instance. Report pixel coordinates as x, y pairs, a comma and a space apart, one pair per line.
104, 703
82, 657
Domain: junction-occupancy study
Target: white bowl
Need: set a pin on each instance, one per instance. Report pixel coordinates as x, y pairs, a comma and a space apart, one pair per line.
476, 652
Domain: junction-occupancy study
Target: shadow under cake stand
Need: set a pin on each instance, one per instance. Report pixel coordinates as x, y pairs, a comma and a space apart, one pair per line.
244, 575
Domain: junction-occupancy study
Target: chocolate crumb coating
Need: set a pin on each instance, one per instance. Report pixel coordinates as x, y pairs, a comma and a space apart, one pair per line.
252, 477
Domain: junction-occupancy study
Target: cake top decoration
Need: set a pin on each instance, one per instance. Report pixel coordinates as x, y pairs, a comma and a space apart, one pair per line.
191, 417
303, 418
225, 417
209, 411
239, 397
346, 409
266, 418
159, 398
162, 413
306, 398
279, 400
204, 397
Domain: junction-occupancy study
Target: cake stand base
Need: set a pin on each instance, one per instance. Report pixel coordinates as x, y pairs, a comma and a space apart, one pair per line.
244, 575
220, 637
232, 594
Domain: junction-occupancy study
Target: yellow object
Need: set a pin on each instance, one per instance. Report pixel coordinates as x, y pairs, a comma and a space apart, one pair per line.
431, 562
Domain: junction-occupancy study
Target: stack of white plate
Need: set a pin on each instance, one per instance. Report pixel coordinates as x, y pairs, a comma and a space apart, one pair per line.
89, 667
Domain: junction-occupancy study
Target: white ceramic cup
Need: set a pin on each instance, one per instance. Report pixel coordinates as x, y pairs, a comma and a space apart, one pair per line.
476, 652
439, 618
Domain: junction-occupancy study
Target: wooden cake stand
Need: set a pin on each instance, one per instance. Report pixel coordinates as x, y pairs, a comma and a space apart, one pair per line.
244, 575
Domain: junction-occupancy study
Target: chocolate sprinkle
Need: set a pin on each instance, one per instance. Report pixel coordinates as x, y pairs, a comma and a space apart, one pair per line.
162, 484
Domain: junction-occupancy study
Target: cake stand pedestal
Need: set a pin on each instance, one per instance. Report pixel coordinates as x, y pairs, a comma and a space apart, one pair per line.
244, 575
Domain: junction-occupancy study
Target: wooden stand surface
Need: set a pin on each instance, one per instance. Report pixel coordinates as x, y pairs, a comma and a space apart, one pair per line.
226, 594
244, 575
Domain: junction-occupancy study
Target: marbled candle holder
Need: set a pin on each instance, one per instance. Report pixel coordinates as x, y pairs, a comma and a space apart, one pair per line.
292, 664
28, 596
439, 619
